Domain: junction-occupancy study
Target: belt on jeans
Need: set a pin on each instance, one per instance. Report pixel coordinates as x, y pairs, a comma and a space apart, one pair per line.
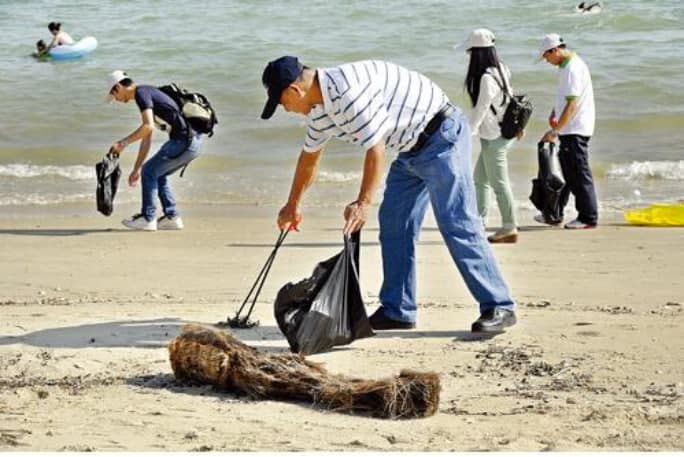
432, 126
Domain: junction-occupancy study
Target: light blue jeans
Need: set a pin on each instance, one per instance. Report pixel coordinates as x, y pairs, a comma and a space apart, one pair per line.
439, 173
172, 156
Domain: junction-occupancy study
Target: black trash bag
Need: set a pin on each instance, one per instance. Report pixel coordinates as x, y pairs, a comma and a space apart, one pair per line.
108, 175
326, 309
547, 186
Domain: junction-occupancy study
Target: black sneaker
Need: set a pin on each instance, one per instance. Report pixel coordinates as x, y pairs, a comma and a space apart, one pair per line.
494, 320
542, 220
381, 322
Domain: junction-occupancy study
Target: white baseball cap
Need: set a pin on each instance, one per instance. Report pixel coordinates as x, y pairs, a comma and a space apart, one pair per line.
478, 38
550, 41
113, 79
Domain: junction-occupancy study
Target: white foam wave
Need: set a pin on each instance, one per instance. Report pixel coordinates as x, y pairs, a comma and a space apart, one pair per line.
669, 170
44, 199
338, 177
71, 172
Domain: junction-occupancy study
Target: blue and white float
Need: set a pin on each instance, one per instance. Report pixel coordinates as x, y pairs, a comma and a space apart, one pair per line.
74, 51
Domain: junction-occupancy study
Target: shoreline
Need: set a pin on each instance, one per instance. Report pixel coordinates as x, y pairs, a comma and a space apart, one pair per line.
87, 212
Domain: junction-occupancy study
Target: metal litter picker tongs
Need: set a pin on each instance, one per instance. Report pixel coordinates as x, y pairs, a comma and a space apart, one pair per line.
243, 321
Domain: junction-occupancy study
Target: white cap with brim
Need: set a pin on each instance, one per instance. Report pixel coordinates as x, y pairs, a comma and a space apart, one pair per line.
113, 79
478, 38
550, 41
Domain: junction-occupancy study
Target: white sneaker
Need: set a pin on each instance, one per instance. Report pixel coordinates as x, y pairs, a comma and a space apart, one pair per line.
540, 218
138, 222
170, 223
578, 225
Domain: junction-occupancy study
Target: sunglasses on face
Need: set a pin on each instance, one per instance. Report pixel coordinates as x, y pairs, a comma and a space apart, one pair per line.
114, 90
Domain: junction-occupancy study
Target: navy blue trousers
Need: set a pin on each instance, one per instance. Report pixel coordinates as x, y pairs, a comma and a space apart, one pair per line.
574, 161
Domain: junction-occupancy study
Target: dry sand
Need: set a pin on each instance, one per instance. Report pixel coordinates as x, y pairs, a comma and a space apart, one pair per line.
596, 361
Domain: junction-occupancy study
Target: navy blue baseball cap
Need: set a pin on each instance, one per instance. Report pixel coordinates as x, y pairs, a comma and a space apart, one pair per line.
278, 75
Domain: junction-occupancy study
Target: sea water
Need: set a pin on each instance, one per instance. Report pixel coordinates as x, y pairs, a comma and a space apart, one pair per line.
55, 125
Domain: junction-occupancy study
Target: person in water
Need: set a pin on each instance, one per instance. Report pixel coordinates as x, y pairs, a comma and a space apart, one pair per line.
586, 7
41, 49
59, 37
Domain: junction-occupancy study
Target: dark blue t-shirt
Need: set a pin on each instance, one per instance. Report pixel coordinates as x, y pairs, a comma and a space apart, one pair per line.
163, 107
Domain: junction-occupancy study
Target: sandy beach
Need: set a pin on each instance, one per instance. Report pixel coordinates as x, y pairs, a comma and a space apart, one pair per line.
88, 308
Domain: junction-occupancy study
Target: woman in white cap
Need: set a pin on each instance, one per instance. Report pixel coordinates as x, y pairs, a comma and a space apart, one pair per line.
485, 82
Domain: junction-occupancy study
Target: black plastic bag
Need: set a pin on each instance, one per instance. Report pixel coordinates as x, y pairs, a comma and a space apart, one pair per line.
547, 187
108, 175
326, 309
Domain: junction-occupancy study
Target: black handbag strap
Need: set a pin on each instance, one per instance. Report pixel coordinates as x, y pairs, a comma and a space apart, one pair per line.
504, 87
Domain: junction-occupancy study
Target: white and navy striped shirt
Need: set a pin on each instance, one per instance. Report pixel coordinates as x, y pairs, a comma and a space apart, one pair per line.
371, 101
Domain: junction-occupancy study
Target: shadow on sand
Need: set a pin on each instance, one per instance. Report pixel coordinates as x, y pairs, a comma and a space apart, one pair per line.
151, 333
339, 245
57, 232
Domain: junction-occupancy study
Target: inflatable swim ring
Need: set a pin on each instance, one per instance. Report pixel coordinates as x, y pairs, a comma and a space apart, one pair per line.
658, 214
74, 51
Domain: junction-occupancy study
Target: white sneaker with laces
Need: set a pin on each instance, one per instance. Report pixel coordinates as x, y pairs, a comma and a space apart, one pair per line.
578, 225
138, 222
170, 223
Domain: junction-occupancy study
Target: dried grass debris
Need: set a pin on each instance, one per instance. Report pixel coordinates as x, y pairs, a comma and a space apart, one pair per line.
205, 355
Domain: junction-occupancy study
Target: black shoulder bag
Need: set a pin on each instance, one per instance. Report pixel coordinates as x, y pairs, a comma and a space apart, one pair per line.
517, 112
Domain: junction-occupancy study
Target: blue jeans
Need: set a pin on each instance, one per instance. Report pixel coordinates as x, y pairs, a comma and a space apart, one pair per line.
172, 156
440, 172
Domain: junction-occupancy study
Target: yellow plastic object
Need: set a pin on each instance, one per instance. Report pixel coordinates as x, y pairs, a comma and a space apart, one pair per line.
658, 214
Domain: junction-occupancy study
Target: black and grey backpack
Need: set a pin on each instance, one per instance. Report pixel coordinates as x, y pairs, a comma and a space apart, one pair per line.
195, 107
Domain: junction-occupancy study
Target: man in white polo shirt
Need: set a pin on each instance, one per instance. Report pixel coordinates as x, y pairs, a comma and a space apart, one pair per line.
572, 122
380, 107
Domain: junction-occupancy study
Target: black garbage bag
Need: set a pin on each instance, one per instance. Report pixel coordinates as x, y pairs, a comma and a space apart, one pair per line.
326, 309
547, 186
108, 175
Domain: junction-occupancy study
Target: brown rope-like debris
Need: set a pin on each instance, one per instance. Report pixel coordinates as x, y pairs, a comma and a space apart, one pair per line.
208, 356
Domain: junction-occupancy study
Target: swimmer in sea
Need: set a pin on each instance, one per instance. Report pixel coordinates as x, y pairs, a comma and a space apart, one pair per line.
586, 7
41, 49
59, 37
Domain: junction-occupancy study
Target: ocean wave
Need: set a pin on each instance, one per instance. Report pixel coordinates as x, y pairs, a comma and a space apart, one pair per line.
44, 199
338, 177
71, 172
669, 170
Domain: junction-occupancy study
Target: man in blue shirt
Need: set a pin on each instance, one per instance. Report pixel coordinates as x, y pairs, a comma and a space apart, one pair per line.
160, 110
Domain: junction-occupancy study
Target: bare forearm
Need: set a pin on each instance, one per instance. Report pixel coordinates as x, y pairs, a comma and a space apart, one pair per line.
142, 152
142, 132
568, 113
355, 214
305, 174
373, 167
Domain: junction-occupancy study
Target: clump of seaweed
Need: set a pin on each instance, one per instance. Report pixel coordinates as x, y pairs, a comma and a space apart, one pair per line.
205, 355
